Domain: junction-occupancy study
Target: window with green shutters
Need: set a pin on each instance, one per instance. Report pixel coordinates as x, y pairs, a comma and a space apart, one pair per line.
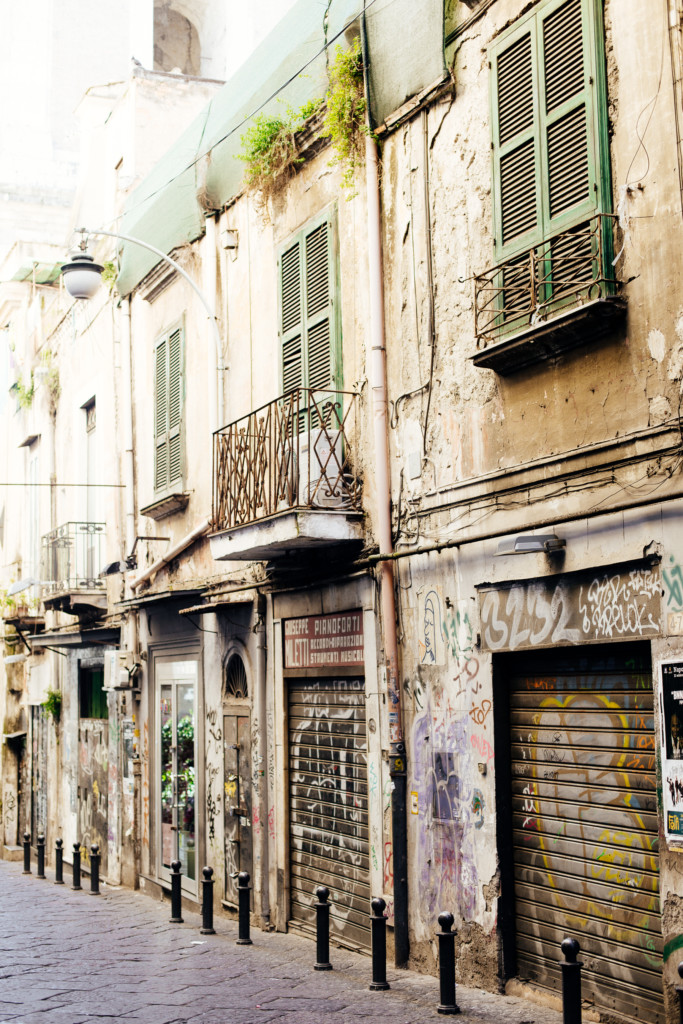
550, 154
168, 408
307, 273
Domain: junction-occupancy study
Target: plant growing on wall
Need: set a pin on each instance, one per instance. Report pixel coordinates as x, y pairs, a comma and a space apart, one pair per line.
25, 392
52, 382
52, 705
269, 148
346, 106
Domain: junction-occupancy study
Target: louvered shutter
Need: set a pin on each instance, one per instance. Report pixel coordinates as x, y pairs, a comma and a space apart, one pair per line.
161, 416
545, 162
168, 411
307, 277
291, 318
175, 468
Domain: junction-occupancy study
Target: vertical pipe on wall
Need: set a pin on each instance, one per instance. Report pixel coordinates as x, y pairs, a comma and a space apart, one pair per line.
214, 344
262, 794
127, 422
378, 388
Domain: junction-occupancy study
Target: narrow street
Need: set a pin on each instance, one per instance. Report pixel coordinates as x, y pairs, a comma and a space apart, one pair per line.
69, 958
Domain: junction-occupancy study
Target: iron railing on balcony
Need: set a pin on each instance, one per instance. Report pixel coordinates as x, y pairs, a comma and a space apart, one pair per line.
293, 453
72, 558
570, 269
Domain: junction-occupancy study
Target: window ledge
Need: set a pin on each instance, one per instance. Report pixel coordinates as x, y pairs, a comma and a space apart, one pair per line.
545, 341
166, 506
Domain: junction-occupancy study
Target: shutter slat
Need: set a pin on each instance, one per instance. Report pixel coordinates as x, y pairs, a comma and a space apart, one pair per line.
518, 191
563, 54
568, 172
317, 270
515, 90
161, 465
291, 288
174, 458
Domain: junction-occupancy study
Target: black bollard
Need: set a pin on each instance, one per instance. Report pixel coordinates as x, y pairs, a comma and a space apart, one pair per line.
571, 982
378, 929
59, 862
322, 929
679, 989
244, 900
447, 965
40, 846
27, 853
207, 927
94, 870
176, 898
77, 866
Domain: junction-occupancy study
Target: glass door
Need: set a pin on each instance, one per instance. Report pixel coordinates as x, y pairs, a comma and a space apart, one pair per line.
177, 690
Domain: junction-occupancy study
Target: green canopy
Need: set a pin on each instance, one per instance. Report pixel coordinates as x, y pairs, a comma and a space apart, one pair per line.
201, 171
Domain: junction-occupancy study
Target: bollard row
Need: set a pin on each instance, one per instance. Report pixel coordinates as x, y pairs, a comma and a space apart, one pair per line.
570, 966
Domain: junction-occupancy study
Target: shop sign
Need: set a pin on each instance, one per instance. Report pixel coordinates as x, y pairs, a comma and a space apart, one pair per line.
324, 641
576, 609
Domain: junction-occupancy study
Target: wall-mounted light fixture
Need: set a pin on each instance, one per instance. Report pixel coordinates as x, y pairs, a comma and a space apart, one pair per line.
545, 543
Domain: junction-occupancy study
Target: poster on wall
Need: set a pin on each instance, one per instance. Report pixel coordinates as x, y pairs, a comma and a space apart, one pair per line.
672, 747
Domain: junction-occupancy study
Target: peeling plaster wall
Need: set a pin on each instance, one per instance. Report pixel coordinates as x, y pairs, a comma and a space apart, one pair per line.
487, 453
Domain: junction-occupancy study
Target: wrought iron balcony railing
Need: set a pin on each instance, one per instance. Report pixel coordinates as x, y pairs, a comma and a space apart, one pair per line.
72, 558
568, 270
294, 453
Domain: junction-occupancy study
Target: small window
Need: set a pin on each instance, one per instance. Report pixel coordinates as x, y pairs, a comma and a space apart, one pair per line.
236, 679
92, 698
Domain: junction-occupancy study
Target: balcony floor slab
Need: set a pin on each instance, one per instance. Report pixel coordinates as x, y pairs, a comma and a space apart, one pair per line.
291, 531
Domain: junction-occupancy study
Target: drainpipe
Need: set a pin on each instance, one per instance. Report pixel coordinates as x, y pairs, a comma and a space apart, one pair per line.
128, 448
378, 387
213, 339
262, 794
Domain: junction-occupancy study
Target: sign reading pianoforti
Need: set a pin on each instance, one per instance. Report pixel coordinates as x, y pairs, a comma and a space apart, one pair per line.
324, 641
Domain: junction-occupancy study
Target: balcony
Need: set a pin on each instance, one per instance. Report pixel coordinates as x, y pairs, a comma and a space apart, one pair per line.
285, 477
542, 303
72, 561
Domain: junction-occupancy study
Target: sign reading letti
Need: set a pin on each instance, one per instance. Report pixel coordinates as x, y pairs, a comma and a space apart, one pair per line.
319, 641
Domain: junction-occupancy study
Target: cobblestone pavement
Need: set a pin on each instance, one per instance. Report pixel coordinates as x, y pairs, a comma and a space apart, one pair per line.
70, 958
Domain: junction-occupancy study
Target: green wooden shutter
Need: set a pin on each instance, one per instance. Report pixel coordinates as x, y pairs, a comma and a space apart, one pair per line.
168, 397
307, 281
319, 283
291, 318
544, 117
175, 468
161, 416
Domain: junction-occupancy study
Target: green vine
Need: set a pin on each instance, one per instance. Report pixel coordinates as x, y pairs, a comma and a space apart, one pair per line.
52, 705
269, 148
25, 392
344, 121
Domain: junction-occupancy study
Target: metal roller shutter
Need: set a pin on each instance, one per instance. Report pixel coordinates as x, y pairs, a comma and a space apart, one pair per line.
328, 804
584, 834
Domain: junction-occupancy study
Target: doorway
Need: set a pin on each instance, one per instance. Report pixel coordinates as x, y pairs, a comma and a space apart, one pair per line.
177, 746
237, 799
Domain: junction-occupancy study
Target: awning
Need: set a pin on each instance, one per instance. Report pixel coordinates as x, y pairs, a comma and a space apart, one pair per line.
12, 737
99, 637
158, 596
230, 597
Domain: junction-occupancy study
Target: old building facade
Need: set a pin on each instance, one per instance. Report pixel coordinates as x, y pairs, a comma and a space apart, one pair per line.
392, 510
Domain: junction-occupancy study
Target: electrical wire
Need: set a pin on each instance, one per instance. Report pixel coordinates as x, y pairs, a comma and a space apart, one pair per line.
651, 104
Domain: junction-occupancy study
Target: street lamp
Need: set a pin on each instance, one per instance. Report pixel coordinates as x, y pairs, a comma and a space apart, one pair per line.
82, 279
